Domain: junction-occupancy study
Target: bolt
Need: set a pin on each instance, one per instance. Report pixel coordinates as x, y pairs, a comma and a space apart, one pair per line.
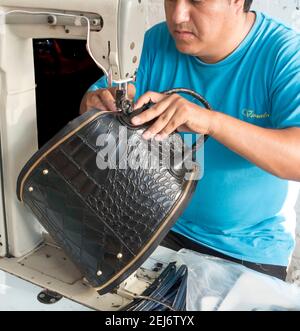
96, 22
51, 19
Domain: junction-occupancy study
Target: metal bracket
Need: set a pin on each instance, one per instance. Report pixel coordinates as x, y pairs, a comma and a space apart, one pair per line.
96, 21
48, 297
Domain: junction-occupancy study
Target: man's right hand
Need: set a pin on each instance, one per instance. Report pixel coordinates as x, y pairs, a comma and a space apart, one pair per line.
103, 99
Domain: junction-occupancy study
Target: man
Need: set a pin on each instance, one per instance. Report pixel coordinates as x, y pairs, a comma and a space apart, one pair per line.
247, 66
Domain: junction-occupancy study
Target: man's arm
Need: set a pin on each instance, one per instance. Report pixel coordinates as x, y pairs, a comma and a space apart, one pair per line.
274, 150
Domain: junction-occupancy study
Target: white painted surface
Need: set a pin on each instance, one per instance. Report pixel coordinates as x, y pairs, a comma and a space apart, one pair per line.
20, 295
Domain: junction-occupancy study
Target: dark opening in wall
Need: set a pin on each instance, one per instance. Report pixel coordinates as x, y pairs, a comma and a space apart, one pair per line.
63, 73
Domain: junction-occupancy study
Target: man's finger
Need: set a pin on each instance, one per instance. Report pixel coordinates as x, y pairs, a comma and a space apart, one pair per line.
107, 99
184, 128
95, 102
155, 111
175, 122
148, 115
160, 123
112, 91
147, 97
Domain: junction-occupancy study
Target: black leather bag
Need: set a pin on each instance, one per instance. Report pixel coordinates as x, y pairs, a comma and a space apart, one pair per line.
107, 221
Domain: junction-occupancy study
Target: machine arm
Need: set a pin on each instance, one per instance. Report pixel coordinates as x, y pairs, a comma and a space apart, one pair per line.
114, 29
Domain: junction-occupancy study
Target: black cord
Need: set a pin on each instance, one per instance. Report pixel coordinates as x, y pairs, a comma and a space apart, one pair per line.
189, 92
167, 292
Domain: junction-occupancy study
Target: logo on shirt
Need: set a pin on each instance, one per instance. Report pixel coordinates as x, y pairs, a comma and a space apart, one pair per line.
248, 113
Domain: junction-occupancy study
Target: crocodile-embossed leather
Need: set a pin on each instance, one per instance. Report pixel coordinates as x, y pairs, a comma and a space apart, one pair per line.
107, 221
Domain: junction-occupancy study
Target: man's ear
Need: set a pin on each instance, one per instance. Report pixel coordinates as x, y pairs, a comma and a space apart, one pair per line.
238, 5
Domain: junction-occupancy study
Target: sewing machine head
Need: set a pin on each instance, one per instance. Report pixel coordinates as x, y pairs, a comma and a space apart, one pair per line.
114, 29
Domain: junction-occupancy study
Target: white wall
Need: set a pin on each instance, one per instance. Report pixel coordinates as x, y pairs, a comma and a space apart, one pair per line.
285, 10
156, 12
282, 9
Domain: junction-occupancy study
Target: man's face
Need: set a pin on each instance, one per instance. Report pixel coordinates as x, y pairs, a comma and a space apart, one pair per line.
200, 26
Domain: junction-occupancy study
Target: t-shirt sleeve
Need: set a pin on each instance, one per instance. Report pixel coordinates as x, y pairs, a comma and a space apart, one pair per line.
285, 88
100, 83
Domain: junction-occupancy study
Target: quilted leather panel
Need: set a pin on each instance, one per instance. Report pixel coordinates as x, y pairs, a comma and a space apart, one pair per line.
105, 219
91, 245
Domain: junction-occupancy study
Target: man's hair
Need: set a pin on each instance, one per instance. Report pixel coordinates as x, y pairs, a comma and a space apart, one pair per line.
247, 5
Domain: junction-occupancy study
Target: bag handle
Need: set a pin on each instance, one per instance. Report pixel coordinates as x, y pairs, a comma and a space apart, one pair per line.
196, 145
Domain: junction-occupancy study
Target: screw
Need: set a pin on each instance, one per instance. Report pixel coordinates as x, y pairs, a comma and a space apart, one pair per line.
30, 189
52, 20
45, 172
96, 22
99, 273
119, 256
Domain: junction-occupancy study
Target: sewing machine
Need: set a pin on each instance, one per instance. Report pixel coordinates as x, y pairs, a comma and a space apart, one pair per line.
114, 31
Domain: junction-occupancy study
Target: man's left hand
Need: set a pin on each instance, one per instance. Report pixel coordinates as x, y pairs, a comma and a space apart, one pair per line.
172, 112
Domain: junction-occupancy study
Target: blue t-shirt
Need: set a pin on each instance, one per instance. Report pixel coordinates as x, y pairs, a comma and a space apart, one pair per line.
237, 208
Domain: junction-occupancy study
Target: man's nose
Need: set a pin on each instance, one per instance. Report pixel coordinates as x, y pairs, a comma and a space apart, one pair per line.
181, 12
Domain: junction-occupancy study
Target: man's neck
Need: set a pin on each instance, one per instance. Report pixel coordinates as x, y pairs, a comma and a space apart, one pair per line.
233, 40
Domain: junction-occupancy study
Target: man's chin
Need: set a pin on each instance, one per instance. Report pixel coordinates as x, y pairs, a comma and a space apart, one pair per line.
186, 49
